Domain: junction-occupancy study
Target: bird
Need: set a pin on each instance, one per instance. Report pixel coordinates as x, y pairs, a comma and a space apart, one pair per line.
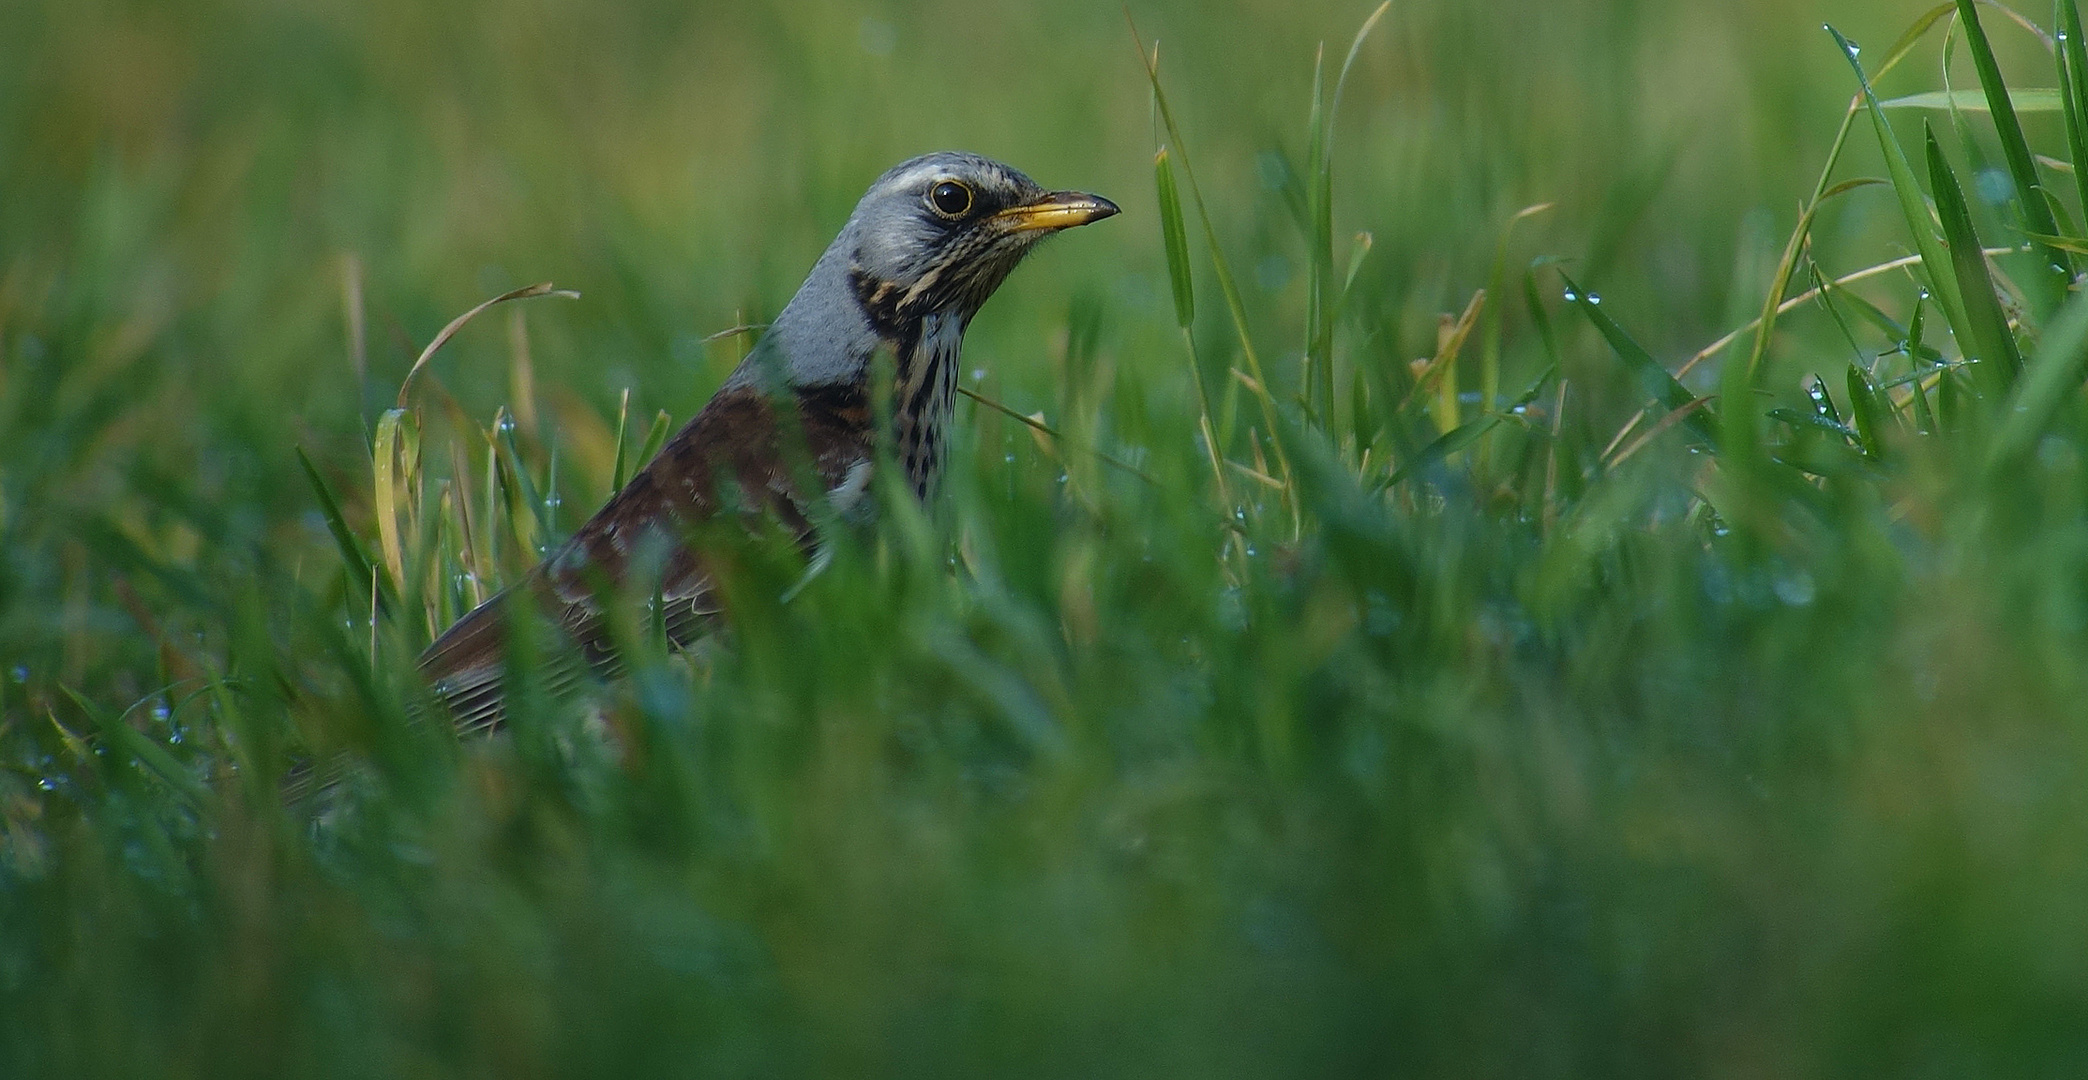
928, 243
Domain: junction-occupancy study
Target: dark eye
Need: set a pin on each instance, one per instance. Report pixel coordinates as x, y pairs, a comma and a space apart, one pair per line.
950, 198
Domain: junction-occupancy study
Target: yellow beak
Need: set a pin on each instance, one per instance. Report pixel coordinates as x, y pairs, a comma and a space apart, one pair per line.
1056, 210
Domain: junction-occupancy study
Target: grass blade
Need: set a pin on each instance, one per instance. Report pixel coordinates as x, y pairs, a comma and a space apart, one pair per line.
1227, 287
363, 573
2022, 168
617, 471
2000, 360
1935, 258
384, 490
2054, 373
1866, 412
656, 438
526, 292
2073, 92
2021, 99
1319, 247
1175, 239
145, 752
1654, 380
1497, 312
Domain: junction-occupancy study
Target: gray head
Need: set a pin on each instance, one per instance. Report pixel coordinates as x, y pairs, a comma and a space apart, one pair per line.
926, 246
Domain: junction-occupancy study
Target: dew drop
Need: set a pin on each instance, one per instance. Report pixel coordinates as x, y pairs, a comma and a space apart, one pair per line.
1572, 297
1594, 299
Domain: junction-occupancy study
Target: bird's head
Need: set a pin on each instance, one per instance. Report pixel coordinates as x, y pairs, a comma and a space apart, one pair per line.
937, 234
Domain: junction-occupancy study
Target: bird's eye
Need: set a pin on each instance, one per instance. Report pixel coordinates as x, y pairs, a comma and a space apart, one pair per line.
950, 198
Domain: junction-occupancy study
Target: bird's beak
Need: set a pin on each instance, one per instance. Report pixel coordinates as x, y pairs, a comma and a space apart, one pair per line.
1057, 210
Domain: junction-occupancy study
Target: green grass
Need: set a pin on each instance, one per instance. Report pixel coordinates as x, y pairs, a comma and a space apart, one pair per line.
1361, 677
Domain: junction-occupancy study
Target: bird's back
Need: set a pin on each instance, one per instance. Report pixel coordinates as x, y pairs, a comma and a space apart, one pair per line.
748, 453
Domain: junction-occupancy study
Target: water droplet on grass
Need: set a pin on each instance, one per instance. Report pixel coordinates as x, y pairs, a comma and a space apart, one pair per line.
1796, 589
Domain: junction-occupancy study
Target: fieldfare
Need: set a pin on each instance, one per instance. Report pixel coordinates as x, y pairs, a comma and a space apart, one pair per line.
928, 243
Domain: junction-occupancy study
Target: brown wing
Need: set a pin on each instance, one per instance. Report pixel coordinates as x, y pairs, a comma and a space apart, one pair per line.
731, 454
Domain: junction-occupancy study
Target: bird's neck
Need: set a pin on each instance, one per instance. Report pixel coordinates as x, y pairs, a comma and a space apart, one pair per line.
924, 391
825, 341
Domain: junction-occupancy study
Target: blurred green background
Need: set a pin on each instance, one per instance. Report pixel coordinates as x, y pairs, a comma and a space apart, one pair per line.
1532, 772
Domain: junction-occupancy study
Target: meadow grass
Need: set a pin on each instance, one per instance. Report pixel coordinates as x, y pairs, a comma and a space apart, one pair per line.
1447, 584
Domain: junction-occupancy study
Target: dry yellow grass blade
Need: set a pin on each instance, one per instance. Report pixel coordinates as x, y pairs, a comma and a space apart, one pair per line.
525, 293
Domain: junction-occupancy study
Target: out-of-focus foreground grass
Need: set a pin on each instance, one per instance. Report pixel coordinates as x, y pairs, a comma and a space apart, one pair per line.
1746, 742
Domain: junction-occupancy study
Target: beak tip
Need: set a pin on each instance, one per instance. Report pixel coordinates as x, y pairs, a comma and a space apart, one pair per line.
1059, 210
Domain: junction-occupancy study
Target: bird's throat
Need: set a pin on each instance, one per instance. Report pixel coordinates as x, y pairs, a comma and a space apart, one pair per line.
924, 390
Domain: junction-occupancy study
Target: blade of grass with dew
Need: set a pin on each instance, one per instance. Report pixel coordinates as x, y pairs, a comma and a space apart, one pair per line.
1821, 192
1935, 259
1740, 434
1653, 380
2068, 243
1464, 435
2022, 168
525, 484
144, 753
2000, 360
1924, 417
1866, 413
